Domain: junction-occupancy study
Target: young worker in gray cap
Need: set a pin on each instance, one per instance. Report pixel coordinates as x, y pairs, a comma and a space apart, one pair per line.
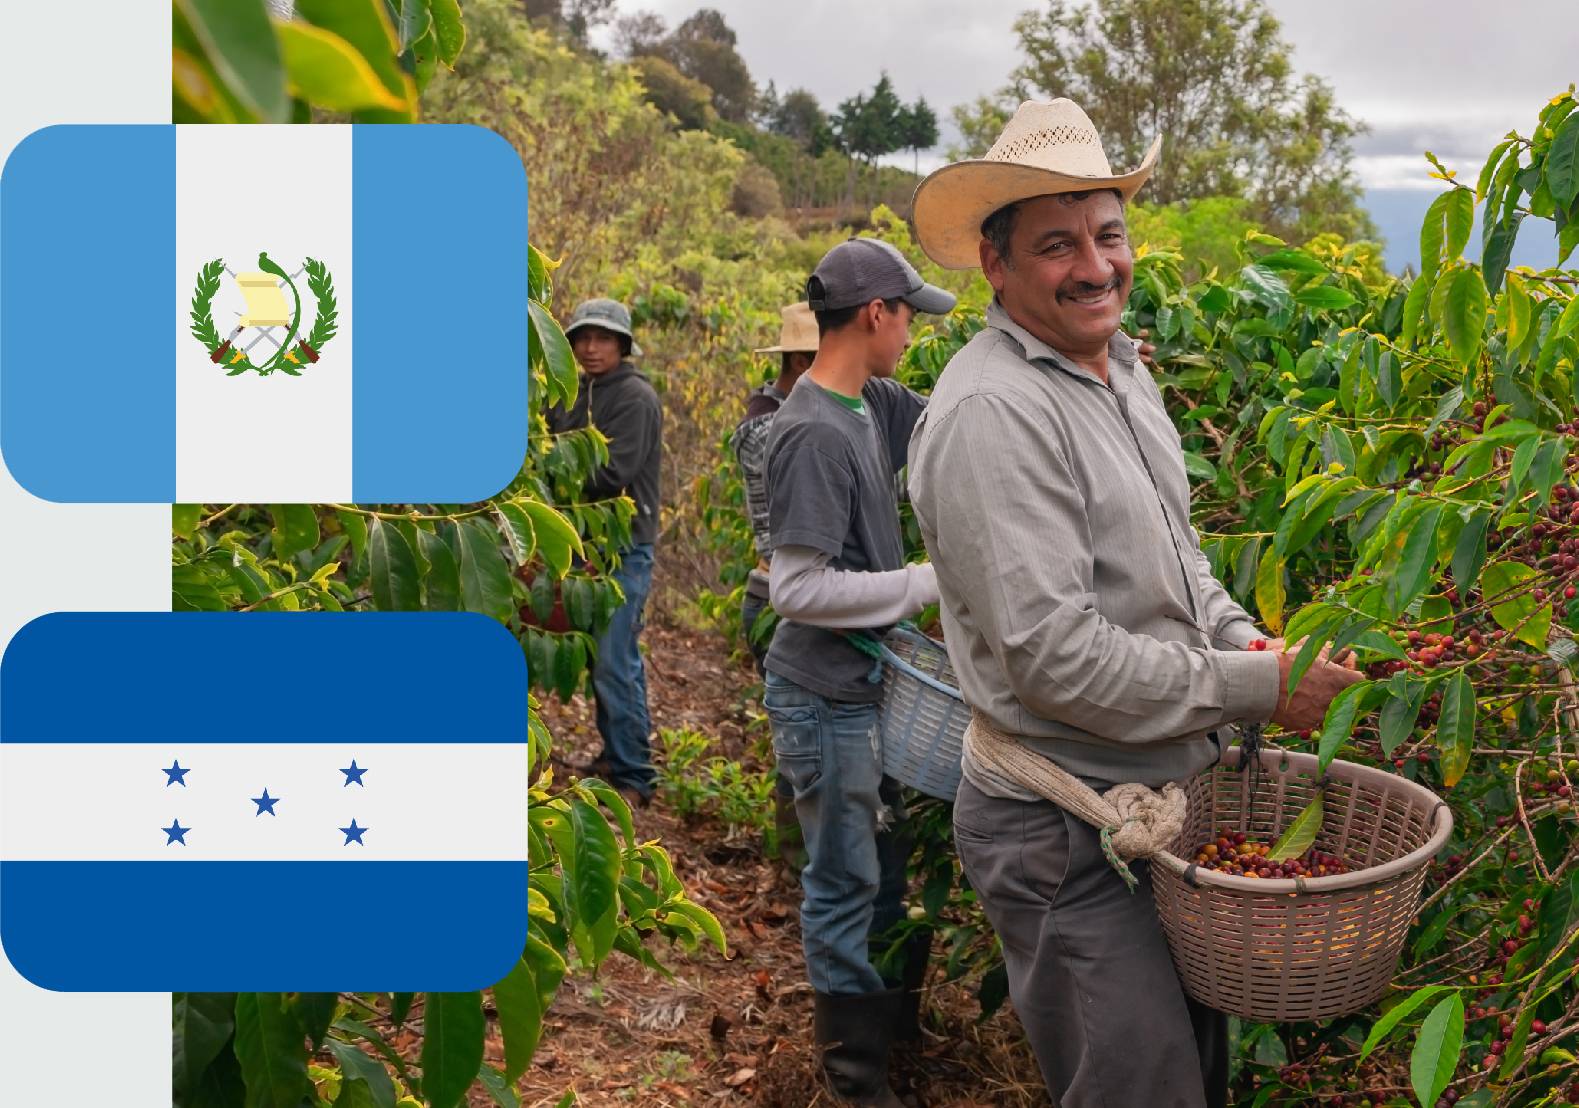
839, 570
624, 407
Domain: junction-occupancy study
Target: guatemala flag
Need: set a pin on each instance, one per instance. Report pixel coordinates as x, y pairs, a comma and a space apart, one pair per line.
263, 314
268, 802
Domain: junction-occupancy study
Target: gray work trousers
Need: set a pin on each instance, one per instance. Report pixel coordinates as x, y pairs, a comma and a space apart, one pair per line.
1089, 969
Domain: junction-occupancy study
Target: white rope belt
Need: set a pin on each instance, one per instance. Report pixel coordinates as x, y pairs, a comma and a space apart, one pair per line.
1135, 821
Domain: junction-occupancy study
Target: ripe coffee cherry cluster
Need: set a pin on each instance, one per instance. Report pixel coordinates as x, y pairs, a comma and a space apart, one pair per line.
1236, 853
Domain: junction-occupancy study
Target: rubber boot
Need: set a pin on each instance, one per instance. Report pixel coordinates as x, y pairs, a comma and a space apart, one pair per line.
792, 844
918, 951
855, 1034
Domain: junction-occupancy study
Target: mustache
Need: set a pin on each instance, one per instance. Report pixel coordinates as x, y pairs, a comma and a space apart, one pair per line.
1085, 288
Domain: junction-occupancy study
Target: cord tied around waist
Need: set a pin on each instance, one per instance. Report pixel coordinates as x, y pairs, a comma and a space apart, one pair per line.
1134, 821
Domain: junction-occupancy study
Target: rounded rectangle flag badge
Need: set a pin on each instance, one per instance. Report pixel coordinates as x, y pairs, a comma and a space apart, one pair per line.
250, 313
280, 802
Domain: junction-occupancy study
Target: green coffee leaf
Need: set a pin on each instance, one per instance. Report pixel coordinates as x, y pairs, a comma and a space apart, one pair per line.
1436, 1051
1395, 1015
1455, 728
394, 569
1401, 711
270, 1047
1300, 834
484, 574
1339, 724
453, 1031
1464, 314
356, 1067
201, 1026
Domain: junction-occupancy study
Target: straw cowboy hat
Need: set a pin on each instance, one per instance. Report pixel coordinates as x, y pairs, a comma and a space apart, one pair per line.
1046, 148
798, 333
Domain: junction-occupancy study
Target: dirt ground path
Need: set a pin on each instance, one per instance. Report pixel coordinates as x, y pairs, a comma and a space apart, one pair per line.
736, 1030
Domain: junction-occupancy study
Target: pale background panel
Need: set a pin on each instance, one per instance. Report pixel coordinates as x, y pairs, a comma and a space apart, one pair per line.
93, 61
106, 802
285, 191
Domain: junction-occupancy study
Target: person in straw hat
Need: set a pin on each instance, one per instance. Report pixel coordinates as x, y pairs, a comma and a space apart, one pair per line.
619, 400
1100, 658
796, 348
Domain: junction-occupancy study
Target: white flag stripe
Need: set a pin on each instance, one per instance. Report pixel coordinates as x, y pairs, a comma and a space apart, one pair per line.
285, 191
108, 801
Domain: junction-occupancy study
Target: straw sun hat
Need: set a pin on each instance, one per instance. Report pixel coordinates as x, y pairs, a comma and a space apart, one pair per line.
798, 334
1046, 148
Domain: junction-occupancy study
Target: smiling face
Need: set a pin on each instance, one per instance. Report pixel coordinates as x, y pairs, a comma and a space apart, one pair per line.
1069, 271
597, 350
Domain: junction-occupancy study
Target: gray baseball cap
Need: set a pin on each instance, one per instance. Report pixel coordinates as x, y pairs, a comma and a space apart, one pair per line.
859, 271
610, 315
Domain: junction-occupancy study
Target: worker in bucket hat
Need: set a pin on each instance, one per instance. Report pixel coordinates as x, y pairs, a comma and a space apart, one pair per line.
619, 400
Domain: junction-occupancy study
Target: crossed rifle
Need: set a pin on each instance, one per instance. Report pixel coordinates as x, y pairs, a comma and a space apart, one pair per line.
266, 307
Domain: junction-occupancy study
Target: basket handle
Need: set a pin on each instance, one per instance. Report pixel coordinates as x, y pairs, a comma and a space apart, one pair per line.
892, 659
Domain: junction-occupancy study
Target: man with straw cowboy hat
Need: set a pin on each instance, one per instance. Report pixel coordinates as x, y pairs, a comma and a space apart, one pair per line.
796, 348
1097, 652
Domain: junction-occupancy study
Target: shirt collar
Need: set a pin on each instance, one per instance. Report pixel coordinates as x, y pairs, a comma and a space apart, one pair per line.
1120, 350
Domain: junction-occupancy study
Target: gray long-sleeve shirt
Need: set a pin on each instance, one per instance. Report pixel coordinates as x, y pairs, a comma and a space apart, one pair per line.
1056, 512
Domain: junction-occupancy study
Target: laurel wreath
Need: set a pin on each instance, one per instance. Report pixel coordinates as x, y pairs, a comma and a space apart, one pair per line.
305, 352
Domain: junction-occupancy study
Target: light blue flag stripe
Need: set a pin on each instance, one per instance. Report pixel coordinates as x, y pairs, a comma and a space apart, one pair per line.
87, 393
418, 435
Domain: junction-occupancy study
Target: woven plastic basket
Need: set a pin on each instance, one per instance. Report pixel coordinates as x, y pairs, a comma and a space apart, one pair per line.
923, 719
1297, 949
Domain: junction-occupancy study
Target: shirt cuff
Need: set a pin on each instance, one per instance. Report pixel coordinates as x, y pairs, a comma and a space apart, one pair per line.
1252, 685
1242, 633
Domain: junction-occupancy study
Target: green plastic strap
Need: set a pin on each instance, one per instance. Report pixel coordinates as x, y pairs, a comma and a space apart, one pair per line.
866, 645
1114, 860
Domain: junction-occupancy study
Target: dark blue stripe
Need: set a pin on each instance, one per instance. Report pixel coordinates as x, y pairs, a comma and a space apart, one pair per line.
433, 677
439, 242
87, 313
263, 926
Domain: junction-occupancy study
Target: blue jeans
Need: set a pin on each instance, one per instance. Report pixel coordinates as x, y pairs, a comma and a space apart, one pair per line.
619, 680
850, 815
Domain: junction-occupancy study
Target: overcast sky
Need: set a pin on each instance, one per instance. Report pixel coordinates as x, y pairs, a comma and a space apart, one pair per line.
1445, 75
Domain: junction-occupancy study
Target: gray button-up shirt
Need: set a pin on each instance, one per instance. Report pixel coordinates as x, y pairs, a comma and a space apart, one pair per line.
1056, 510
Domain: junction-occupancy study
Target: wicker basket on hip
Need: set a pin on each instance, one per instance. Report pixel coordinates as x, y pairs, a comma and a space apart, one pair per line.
923, 719
1298, 949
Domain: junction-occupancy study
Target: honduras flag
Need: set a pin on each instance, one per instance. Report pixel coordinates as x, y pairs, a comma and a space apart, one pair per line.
280, 314
270, 802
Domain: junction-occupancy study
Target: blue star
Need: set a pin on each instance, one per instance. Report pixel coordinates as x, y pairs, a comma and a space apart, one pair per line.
353, 774
265, 803
176, 832
354, 834
177, 774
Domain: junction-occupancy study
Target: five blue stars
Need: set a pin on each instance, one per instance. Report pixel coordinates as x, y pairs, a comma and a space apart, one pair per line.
175, 833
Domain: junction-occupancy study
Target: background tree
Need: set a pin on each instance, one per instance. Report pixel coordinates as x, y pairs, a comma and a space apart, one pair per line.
577, 17
799, 118
918, 130
702, 49
1216, 79
979, 124
868, 126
